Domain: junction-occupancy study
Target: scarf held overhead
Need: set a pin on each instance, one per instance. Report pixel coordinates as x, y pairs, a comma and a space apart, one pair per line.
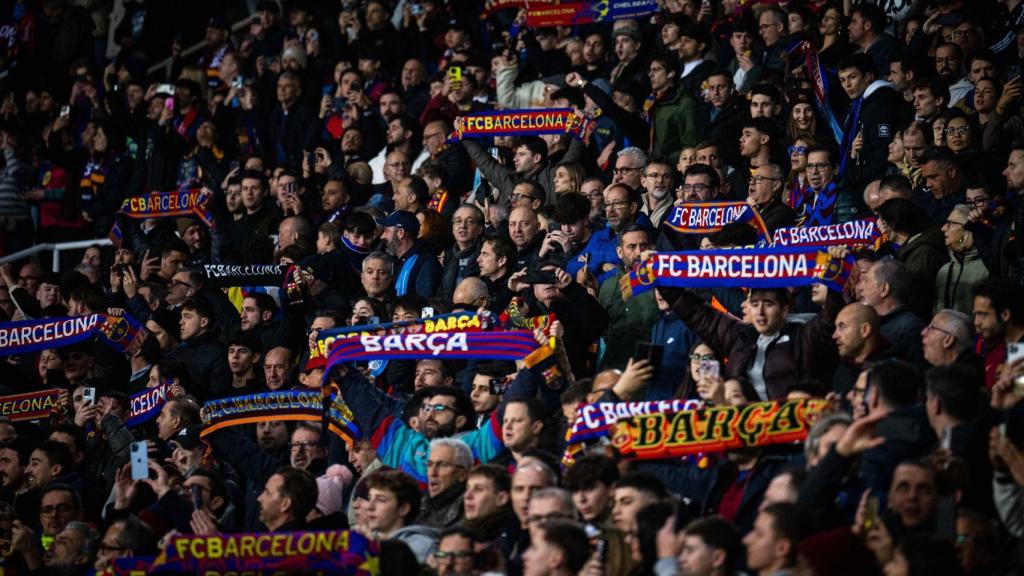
145, 405
739, 268
122, 333
334, 552
852, 233
263, 407
226, 276
673, 434
184, 202
456, 321
596, 421
522, 123
577, 13
710, 217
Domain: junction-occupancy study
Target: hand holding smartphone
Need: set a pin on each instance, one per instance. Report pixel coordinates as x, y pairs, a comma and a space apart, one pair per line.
140, 460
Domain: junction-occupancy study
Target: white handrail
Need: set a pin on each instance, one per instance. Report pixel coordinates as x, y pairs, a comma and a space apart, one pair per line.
57, 249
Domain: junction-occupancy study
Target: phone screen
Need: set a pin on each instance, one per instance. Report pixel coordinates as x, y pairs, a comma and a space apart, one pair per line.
140, 460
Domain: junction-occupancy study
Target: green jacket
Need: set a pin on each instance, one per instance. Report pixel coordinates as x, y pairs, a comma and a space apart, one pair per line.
955, 282
630, 322
675, 125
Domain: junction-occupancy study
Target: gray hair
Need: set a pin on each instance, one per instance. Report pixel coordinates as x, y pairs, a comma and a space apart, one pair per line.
477, 288
777, 172
638, 156
463, 454
820, 428
963, 209
550, 476
959, 325
894, 273
563, 496
90, 541
377, 255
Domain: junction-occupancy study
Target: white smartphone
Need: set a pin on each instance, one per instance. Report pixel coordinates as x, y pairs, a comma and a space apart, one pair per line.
1014, 352
89, 396
140, 460
427, 312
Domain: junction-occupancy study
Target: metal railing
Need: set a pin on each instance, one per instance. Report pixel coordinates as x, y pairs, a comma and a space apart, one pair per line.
57, 249
166, 63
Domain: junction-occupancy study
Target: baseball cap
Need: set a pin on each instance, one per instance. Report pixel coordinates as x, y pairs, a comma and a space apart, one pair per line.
218, 22
402, 219
187, 438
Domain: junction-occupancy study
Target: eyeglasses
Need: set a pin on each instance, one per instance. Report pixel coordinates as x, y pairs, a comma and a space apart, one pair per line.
797, 150
626, 170
702, 357
957, 130
180, 283
955, 223
61, 508
468, 221
819, 166
698, 188
545, 517
435, 408
518, 196
456, 554
758, 179
929, 328
431, 464
594, 194
617, 204
657, 175
979, 201
301, 445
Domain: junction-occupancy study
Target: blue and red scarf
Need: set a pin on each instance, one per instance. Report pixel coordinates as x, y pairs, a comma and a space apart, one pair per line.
741, 268
522, 123
853, 233
709, 217
122, 333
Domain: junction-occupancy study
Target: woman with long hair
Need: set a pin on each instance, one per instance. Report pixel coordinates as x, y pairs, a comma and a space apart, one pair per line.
568, 178
796, 193
832, 27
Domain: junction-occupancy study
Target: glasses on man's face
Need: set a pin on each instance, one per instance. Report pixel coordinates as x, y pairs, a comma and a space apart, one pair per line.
698, 188
955, 223
801, 150
538, 518
702, 357
929, 328
626, 170
307, 445
175, 283
758, 179
617, 204
465, 221
516, 196
435, 408
819, 166
979, 202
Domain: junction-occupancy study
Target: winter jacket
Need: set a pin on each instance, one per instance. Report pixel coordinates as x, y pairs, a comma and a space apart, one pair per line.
252, 462
443, 510
723, 127
674, 124
956, 280
458, 265
677, 340
776, 215
629, 321
924, 254
584, 320
422, 275
207, 361
902, 328
799, 350
422, 540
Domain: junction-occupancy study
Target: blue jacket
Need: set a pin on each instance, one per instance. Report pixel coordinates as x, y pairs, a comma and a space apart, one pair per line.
423, 275
403, 448
601, 248
670, 332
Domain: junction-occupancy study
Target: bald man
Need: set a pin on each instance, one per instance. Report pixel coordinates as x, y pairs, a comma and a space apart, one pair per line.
858, 339
471, 294
523, 228
276, 367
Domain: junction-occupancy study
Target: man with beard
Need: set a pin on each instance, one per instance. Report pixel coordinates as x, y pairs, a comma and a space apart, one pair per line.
402, 438
287, 498
14, 456
657, 181
530, 162
419, 271
630, 320
700, 184
257, 464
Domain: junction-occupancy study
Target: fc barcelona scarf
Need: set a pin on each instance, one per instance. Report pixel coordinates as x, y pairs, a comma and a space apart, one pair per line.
263, 407
596, 421
740, 268
710, 217
456, 321
338, 416
184, 202
440, 345
226, 276
145, 405
29, 406
852, 233
522, 123
579, 13
672, 434
333, 552
122, 333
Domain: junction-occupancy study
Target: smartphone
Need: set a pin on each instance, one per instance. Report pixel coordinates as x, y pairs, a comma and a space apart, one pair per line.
597, 543
169, 103
497, 386
89, 396
554, 227
539, 277
455, 73
427, 312
870, 513
1014, 352
709, 368
140, 460
947, 438
65, 111
238, 82
653, 353
197, 496
494, 151
416, 9
165, 89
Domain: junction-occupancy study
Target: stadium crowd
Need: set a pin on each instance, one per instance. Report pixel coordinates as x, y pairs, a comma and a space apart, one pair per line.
329, 137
